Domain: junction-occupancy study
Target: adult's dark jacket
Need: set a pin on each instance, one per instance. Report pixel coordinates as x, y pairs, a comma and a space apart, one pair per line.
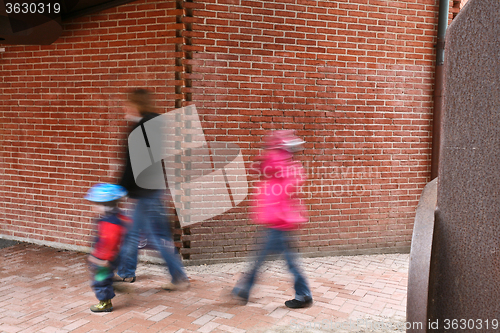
128, 180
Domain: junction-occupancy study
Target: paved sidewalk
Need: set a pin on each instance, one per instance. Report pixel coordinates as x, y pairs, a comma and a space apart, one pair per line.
46, 290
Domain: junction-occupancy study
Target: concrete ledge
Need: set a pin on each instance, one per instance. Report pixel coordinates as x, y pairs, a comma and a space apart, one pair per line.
356, 252
55, 245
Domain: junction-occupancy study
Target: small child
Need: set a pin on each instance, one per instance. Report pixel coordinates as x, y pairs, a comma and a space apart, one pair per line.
278, 208
111, 227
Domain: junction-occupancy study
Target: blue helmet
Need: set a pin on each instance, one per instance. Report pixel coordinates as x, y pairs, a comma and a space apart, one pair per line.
105, 193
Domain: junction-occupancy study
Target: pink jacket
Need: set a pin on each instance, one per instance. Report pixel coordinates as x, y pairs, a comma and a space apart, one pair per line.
276, 202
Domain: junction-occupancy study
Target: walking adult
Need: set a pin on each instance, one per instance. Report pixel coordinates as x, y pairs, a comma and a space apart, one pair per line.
149, 217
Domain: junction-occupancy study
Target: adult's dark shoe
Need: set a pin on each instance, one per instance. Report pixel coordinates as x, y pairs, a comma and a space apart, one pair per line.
296, 304
240, 295
178, 286
117, 278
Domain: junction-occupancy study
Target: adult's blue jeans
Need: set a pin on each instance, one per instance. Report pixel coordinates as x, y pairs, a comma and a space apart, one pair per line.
277, 242
149, 218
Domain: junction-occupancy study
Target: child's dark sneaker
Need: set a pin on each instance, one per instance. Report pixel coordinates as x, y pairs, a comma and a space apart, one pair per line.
102, 306
296, 304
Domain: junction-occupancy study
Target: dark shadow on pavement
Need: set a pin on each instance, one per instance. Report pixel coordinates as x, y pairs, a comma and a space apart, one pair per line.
6, 243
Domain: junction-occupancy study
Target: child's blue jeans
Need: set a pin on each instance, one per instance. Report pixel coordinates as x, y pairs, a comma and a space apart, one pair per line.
277, 242
102, 281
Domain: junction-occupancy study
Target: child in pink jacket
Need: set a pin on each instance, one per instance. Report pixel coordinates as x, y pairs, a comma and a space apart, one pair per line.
278, 208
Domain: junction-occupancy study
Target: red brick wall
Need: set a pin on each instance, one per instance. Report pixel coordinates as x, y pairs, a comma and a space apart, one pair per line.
457, 6
354, 78
61, 120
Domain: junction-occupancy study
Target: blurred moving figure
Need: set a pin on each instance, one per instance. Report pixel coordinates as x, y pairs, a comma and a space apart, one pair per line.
149, 217
279, 209
111, 227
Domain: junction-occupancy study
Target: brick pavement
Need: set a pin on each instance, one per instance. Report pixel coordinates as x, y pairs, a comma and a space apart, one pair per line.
47, 290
